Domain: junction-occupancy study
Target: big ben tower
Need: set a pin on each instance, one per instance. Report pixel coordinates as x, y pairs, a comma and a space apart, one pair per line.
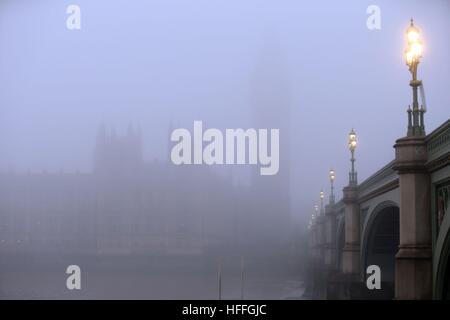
270, 101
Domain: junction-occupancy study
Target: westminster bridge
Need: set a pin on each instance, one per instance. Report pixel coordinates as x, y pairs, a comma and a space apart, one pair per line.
397, 220
393, 226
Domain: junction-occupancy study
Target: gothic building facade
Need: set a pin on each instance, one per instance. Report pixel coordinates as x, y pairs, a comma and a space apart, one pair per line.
127, 205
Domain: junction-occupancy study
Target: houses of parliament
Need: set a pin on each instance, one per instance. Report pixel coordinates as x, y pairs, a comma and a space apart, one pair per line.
129, 206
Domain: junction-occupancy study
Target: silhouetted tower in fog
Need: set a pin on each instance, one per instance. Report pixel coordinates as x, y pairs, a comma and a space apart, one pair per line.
116, 154
270, 100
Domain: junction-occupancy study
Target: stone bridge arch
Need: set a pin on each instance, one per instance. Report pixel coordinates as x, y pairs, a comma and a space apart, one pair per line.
441, 273
379, 245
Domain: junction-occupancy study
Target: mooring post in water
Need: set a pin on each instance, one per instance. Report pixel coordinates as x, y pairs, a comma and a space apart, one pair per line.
242, 277
219, 278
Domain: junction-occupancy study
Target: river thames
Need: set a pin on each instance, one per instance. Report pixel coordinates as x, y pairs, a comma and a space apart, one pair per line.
150, 278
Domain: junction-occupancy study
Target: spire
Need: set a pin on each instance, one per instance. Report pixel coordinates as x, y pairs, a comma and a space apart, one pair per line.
101, 133
130, 131
113, 134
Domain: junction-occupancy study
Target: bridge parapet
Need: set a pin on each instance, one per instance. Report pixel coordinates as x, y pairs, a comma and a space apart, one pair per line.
438, 147
381, 181
438, 141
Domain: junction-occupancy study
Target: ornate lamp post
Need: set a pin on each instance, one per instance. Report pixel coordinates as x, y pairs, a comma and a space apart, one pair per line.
413, 265
353, 179
332, 177
413, 53
322, 195
351, 251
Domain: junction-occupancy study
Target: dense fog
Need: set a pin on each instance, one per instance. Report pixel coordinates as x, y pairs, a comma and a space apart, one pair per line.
87, 117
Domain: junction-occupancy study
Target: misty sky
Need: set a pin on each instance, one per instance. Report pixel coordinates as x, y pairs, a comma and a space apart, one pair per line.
156, 62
